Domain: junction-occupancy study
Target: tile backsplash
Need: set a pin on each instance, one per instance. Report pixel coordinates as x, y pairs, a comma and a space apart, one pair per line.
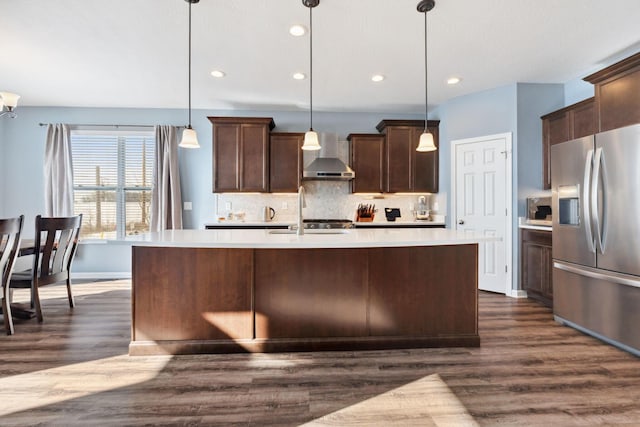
324, 199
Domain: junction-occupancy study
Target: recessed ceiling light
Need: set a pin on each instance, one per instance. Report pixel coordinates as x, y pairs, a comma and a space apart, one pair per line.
377, 78
299, 76
297, 30
453, 80
218, 73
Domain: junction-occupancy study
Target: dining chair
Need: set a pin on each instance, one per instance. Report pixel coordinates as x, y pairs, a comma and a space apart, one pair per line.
57, 238
10, 232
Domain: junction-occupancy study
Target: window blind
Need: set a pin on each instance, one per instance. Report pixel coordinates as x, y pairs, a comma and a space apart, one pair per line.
112, 180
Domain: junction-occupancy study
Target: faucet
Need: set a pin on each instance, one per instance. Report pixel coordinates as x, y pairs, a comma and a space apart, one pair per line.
301, 204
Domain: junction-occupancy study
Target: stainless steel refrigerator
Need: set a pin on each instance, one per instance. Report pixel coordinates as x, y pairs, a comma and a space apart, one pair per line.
596, 235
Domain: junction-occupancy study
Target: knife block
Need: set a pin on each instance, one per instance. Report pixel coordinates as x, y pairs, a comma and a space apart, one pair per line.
365, 218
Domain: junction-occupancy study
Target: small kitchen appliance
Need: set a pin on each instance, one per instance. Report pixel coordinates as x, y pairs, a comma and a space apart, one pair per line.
422, 211
392, 213
268, 213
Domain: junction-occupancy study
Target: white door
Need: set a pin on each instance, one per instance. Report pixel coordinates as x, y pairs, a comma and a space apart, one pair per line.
482, 188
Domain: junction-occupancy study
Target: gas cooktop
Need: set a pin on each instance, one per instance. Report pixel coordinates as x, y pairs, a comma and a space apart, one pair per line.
327, 223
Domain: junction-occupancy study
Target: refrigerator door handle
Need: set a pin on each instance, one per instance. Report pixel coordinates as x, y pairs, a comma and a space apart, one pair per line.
609, 276
600, 232
586, 210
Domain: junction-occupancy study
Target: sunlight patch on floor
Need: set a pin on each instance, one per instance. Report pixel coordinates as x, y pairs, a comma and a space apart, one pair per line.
424, 402
49, 386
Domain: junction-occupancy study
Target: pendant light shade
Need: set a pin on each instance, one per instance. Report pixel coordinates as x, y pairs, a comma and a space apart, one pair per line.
426, 142
189, 137
10, 101
311, 142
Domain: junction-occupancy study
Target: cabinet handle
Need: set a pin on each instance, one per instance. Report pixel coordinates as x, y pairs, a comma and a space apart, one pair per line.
461, 221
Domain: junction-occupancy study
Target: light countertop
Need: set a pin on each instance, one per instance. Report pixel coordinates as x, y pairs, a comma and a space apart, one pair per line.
533, 224
277, 239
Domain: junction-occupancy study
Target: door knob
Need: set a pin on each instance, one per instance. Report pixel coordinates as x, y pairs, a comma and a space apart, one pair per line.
461, 221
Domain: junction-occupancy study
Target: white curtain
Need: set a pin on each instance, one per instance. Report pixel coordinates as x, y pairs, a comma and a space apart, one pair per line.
58, 171
166, 199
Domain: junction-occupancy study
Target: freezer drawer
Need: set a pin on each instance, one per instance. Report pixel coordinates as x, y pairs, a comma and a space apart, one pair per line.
602, 303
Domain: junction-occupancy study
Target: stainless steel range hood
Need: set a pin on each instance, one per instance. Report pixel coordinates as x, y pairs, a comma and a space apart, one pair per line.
327, 166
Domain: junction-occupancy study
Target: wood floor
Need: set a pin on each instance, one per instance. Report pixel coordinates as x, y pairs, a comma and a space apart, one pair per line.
73, 370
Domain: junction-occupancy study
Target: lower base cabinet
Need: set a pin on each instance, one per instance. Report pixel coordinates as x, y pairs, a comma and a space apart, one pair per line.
537, 265
189, 300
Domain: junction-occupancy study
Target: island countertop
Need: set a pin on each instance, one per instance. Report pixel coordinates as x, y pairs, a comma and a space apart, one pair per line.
282, 239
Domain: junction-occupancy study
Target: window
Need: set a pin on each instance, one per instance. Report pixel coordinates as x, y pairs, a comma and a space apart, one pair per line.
112, 178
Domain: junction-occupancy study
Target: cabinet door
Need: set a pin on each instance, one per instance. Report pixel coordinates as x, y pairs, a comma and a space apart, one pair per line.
537, 265
399, 158
555, 129
532, 267
367, 161
574, 121
425, 165
583, 119
241, 153
254, 158
285, 162
617, 89
226, 150
559, 128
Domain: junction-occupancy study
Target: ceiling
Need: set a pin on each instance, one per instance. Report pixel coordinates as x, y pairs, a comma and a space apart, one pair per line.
133, 53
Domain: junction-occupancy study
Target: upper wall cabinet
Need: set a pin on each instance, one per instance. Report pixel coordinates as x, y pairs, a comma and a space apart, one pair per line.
616, 104
366, 158
405, 169
285, 162
617, 93
241, 153
574, 121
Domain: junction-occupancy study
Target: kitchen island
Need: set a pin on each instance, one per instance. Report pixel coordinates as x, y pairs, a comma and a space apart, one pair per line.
218, 291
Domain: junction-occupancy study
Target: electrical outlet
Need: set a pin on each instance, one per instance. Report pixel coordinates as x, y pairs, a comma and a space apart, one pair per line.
285, 205
188, 206
435, 206
411, 206
227, 206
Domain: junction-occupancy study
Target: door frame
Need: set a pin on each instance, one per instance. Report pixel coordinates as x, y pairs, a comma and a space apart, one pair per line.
508, 226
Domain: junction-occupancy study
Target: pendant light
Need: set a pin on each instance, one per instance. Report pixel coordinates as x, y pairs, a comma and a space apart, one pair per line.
189, 137
9, 100
426, 139
311, 137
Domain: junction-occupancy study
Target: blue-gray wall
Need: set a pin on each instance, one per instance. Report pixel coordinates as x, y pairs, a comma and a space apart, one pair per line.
514, 108
22, 144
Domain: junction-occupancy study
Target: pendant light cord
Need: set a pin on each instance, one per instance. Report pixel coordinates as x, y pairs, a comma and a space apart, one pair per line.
426, 84
189, 127
310, 68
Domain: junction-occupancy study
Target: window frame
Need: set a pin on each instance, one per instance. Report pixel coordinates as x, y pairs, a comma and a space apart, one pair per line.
121, 134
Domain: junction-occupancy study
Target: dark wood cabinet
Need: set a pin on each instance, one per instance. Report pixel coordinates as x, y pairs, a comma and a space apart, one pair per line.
285, 162
537, 265
616, 93
241, 153
574, 121
366, 158
616, 104
405, 169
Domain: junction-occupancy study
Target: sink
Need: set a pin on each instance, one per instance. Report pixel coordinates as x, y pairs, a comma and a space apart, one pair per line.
313, 231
